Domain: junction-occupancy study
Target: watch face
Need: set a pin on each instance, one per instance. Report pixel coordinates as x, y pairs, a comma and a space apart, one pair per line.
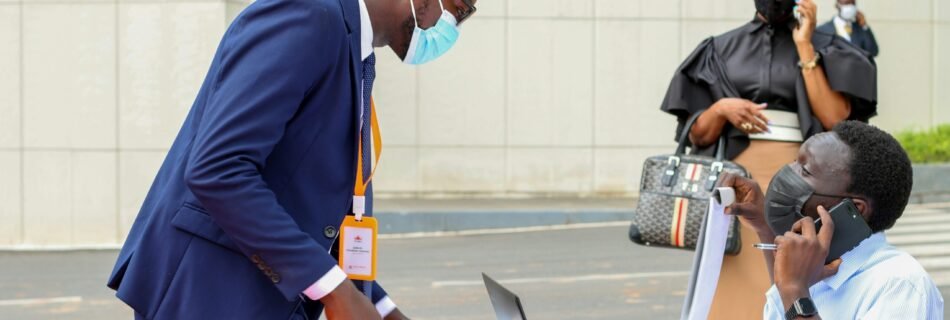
806, 307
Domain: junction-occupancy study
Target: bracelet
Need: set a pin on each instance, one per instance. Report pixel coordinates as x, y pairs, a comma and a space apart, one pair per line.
808, 66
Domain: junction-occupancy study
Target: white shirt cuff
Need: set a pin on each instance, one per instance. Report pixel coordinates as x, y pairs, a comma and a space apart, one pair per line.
385, 306
326, 284
774, 307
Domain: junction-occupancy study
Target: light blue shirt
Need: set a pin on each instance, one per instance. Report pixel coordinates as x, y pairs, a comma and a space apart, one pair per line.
874, 281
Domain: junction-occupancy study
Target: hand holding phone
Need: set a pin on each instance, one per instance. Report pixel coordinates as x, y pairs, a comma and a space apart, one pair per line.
805, 12
850, 229
800, 259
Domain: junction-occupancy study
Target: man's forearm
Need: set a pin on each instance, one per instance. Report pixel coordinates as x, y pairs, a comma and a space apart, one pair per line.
791, 293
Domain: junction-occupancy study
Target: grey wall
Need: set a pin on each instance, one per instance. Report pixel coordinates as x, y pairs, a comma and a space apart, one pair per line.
539, 98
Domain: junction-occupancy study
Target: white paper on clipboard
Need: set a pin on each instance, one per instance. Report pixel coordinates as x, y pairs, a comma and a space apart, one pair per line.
707, 261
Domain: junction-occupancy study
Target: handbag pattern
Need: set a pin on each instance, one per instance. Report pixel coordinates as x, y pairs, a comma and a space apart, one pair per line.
671, 216
674, 197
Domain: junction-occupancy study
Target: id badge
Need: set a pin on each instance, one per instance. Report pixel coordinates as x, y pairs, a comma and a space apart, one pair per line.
358, 247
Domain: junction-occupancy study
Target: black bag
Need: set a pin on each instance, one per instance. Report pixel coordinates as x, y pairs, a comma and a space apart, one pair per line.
674, 196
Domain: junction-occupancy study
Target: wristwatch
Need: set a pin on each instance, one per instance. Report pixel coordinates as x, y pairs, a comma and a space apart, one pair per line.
803, 307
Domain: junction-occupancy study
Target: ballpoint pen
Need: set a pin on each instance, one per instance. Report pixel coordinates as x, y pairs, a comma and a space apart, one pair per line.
772, 246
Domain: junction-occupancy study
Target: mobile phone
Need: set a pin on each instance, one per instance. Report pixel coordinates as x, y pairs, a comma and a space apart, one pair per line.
798, 17
850, 229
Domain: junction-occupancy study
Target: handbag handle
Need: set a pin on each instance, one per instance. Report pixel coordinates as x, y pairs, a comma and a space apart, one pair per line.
684, 139
669, 174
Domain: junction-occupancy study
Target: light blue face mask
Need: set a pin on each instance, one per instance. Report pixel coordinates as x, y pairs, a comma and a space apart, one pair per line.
429, 44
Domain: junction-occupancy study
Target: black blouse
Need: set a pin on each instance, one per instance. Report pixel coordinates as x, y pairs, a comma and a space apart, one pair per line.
760, 63
763, 65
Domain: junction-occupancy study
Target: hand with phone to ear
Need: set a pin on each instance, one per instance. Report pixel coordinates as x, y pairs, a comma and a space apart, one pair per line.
807, 12
800, 257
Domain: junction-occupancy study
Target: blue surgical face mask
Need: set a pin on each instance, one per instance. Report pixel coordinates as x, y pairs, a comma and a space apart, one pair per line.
429, 44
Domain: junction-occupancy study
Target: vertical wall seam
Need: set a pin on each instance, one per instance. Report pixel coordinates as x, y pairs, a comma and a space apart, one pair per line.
22, 233
593, 100
118, 164
934, 51
505, 187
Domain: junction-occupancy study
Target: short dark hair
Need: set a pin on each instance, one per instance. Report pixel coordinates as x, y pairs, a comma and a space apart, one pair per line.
880, 171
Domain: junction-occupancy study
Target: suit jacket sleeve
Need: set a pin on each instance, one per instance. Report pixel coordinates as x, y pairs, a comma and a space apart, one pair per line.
272, 56
378, 293
871, 46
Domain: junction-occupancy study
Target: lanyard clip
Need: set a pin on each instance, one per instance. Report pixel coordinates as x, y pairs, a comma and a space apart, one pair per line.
359, 207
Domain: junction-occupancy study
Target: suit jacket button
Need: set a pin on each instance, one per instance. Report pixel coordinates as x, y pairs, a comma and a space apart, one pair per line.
329, 232
274, 278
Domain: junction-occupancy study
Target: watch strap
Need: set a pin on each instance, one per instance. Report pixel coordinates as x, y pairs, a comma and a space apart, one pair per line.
797, 309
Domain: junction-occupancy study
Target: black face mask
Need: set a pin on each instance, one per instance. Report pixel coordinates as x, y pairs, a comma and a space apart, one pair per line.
775, 11
786, 199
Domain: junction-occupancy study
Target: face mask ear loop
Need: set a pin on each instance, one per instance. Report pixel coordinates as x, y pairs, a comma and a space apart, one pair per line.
441, 6
413, 6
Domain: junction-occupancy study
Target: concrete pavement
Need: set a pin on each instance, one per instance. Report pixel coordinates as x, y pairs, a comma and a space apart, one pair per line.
435, 216
574, 273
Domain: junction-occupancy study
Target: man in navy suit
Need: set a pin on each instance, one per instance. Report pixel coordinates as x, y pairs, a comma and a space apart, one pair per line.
851, 24
243, 213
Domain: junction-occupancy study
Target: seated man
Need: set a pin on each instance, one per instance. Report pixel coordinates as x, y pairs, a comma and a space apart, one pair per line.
872, 281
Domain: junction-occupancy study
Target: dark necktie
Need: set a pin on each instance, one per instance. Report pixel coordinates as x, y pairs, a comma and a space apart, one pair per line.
369, 74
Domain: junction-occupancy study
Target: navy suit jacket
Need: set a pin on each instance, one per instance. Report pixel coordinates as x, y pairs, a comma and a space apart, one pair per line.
863, 39
240, 217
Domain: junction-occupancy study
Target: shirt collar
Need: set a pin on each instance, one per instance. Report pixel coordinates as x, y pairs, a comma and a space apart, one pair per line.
853, 261
366, 32
756, 24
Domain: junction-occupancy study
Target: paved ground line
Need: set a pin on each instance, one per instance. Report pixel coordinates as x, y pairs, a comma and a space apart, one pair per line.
911, 220
941, 205
922, 211
906, 239
592, 277
941, 278
504, 230
929, 227
935, 262
39, 301
932, 249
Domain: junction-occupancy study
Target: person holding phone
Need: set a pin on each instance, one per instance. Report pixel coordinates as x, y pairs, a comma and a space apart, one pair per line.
767, 86
854, 162
851, 24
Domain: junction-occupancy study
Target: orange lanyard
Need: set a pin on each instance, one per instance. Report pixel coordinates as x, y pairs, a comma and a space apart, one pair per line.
359, 189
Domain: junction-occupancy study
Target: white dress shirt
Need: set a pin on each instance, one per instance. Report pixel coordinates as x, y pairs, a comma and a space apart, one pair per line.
874, 281
336, 276
840, 25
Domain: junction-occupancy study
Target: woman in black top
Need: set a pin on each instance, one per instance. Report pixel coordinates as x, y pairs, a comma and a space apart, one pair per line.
767, 86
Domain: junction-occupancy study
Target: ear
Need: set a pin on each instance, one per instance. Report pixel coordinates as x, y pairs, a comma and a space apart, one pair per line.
863, 207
